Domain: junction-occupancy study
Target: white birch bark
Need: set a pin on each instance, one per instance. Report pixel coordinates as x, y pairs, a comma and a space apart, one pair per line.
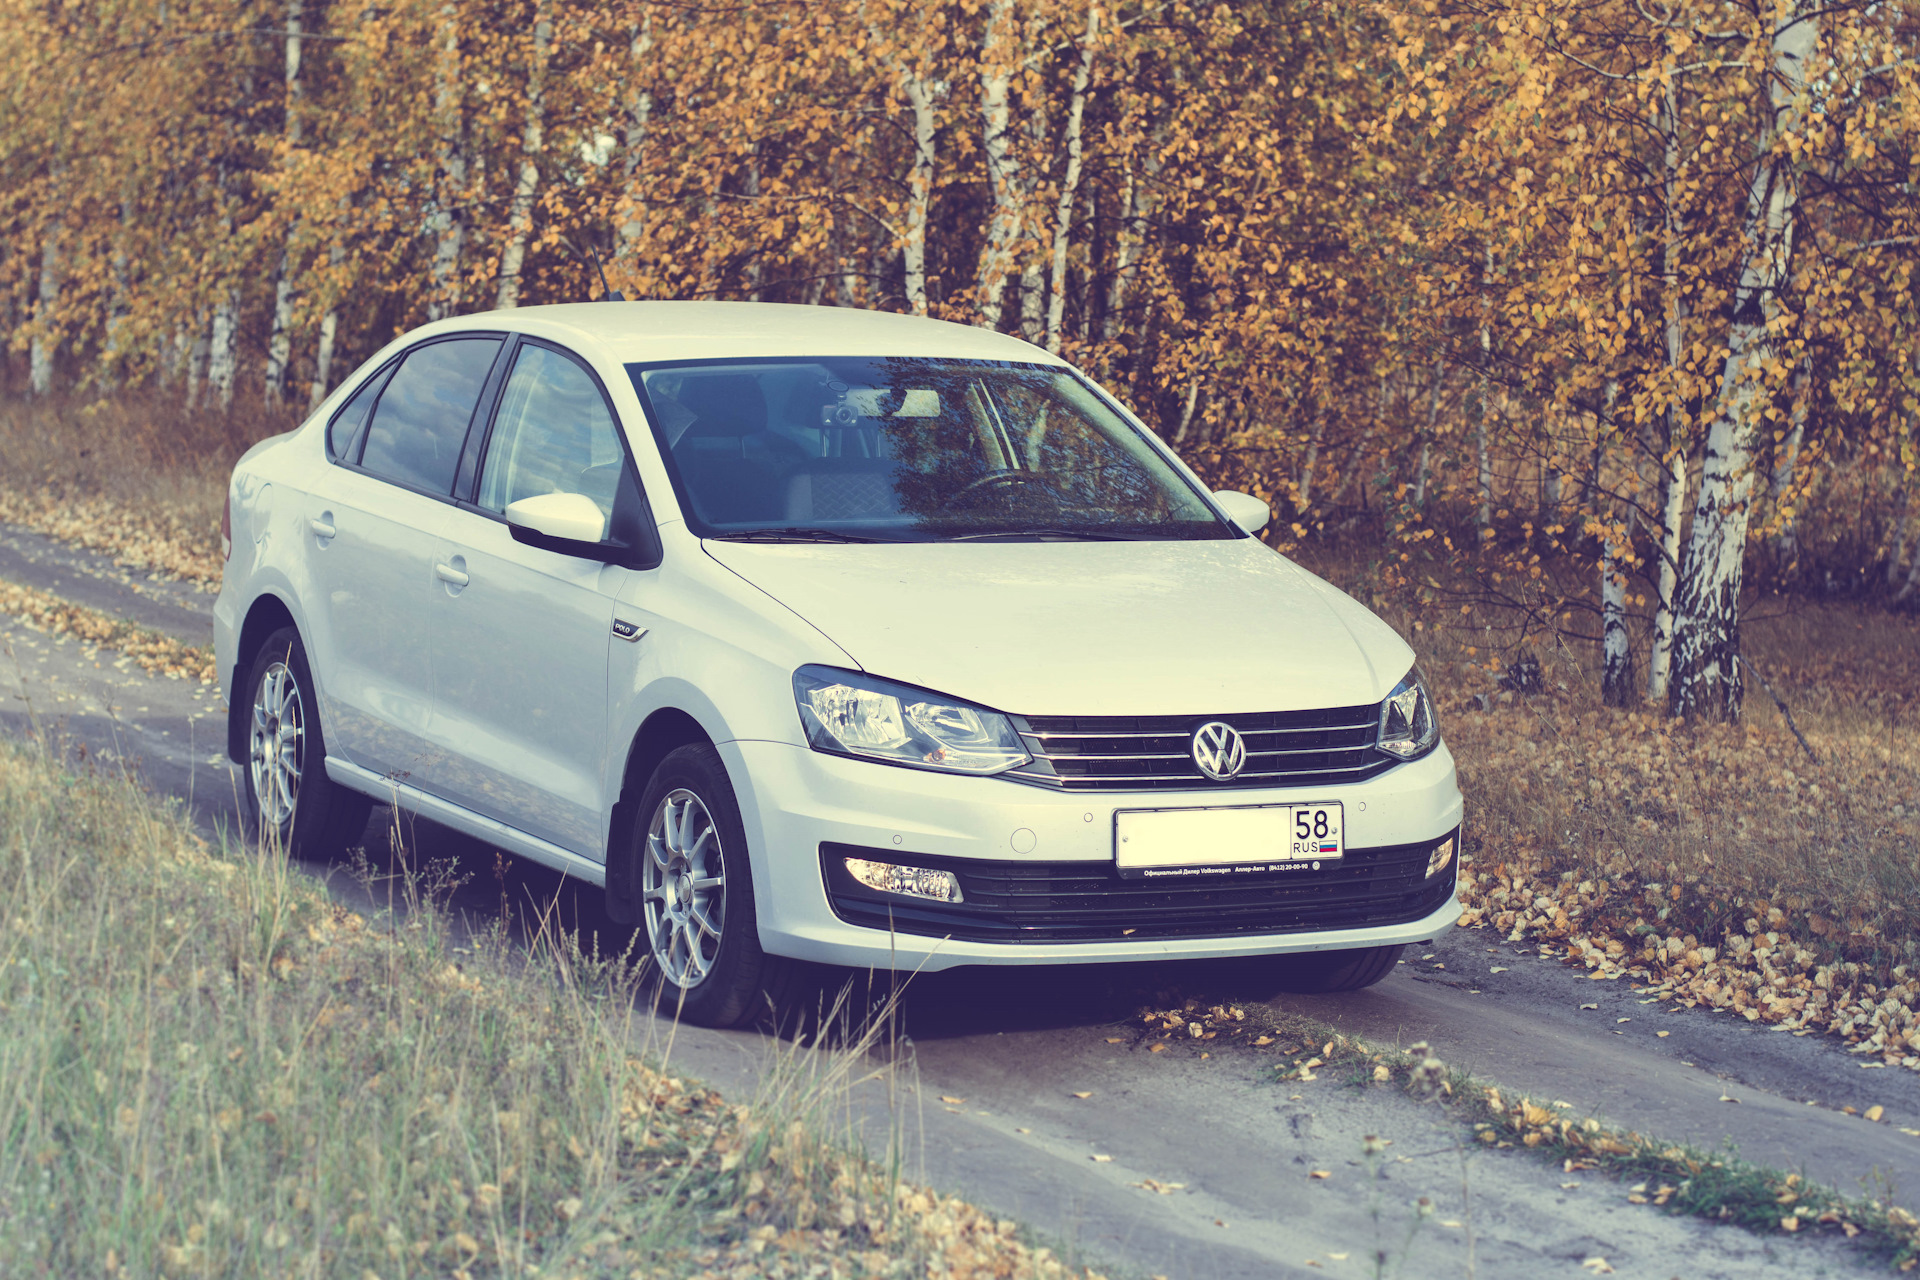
120, 278
1186, 413
1616, 653
1126, 241
323, 359
45, 343
197, 359
1706, 679
447, 224
1003, 163
532, 143
920, 96
1303, 492
280, 338
1673, 449
1426, 440
639, 122
221, 362
1070, 183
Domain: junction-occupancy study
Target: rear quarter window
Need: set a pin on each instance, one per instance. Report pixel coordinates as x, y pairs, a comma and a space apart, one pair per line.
343, 433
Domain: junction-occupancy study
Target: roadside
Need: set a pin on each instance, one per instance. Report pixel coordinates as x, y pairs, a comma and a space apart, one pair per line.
1015, 1050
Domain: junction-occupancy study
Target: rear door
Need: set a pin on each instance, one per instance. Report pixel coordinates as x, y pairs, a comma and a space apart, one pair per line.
373, 522
520, 641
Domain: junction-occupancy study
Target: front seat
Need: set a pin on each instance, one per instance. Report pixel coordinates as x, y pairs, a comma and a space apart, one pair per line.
727, 486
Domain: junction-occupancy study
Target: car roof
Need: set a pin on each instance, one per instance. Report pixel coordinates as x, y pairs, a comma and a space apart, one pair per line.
651, 332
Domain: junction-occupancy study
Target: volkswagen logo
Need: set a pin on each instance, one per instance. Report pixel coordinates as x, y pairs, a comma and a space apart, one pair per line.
1219, 750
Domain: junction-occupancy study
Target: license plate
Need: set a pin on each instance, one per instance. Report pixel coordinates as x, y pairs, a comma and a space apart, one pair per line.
1242, 840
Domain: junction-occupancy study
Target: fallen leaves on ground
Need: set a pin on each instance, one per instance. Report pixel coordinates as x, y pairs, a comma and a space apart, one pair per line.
157, 539
161, 655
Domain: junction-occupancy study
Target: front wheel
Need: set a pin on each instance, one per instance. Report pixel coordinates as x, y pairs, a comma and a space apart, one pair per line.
687, 852
295, 805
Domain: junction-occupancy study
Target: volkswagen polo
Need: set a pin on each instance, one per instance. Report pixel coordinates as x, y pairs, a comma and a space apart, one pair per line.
822, 635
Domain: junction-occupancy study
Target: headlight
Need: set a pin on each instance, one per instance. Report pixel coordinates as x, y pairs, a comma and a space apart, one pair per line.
856, 715
1407, 727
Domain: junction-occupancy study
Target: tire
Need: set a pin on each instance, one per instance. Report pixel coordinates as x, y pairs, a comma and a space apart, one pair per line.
295, 806
692, 890
1326, 972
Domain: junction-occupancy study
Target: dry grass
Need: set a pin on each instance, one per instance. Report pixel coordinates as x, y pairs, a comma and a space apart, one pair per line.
137, 477
210, 1069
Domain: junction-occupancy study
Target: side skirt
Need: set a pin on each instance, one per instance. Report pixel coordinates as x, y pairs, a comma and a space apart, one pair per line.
418, 802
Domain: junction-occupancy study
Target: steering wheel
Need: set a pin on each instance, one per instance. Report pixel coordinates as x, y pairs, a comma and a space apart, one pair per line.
1003, 478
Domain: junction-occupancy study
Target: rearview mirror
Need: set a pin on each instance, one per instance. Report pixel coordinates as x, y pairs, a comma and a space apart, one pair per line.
570, 523
1245, 510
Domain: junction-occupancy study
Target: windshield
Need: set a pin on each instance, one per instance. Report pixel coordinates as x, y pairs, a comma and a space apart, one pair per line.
900, 449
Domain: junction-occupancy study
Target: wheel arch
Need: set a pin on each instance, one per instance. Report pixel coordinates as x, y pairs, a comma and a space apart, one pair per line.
265, 615
663, 731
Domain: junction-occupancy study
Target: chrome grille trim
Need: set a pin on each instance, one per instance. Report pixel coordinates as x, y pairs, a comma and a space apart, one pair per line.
1152, 753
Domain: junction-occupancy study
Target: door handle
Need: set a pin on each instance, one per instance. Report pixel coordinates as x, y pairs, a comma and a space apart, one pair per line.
450, 575
322, 526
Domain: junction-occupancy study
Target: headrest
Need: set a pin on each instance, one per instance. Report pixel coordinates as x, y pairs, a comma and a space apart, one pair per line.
723, 404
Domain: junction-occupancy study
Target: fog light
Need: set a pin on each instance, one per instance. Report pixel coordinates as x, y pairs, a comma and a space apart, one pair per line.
911, 882
1441, 858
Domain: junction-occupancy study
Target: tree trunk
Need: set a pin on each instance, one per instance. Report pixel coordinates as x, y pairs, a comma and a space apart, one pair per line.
448, 224
221, 354
280, 339
1003, 164
197, 360
639, 120
1673, 450
1303, 492
532, 142
1616, 651
1186, 414
1125, 240
323, 359
1426, 440
920, 95
1069, 185
45, 333
1484, 515
1706, 675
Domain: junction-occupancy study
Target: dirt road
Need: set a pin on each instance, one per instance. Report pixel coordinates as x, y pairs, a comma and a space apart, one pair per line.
1172, 1164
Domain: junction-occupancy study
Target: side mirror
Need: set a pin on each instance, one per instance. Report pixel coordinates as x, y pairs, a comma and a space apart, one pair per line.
569, 523
1244, 509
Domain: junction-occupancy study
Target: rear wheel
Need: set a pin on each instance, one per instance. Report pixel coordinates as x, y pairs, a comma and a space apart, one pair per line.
689, 871
294, 804
1320, 972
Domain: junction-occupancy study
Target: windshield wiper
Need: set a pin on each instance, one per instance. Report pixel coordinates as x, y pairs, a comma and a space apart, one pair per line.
795, 535
1086, 534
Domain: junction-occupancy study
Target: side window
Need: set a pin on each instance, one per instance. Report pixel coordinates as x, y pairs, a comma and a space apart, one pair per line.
421, 422
553, 434
343, 433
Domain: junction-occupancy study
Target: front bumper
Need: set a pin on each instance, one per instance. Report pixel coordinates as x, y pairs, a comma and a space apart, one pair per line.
794, 801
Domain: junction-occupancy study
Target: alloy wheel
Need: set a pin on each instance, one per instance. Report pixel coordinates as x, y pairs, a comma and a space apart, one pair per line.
277, 745
683, 888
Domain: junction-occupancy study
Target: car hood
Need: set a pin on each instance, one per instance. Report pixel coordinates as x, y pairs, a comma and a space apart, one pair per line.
1087, 628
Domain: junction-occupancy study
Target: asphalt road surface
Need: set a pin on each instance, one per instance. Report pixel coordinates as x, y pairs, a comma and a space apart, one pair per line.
1173, 1164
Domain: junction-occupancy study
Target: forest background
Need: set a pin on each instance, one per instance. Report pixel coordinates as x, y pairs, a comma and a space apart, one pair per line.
1598, 311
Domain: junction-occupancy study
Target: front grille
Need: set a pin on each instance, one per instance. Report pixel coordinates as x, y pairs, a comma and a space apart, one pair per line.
1155, 753
1090, 902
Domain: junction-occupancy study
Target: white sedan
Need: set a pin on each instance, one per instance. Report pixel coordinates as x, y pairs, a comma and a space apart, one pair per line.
823, 635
